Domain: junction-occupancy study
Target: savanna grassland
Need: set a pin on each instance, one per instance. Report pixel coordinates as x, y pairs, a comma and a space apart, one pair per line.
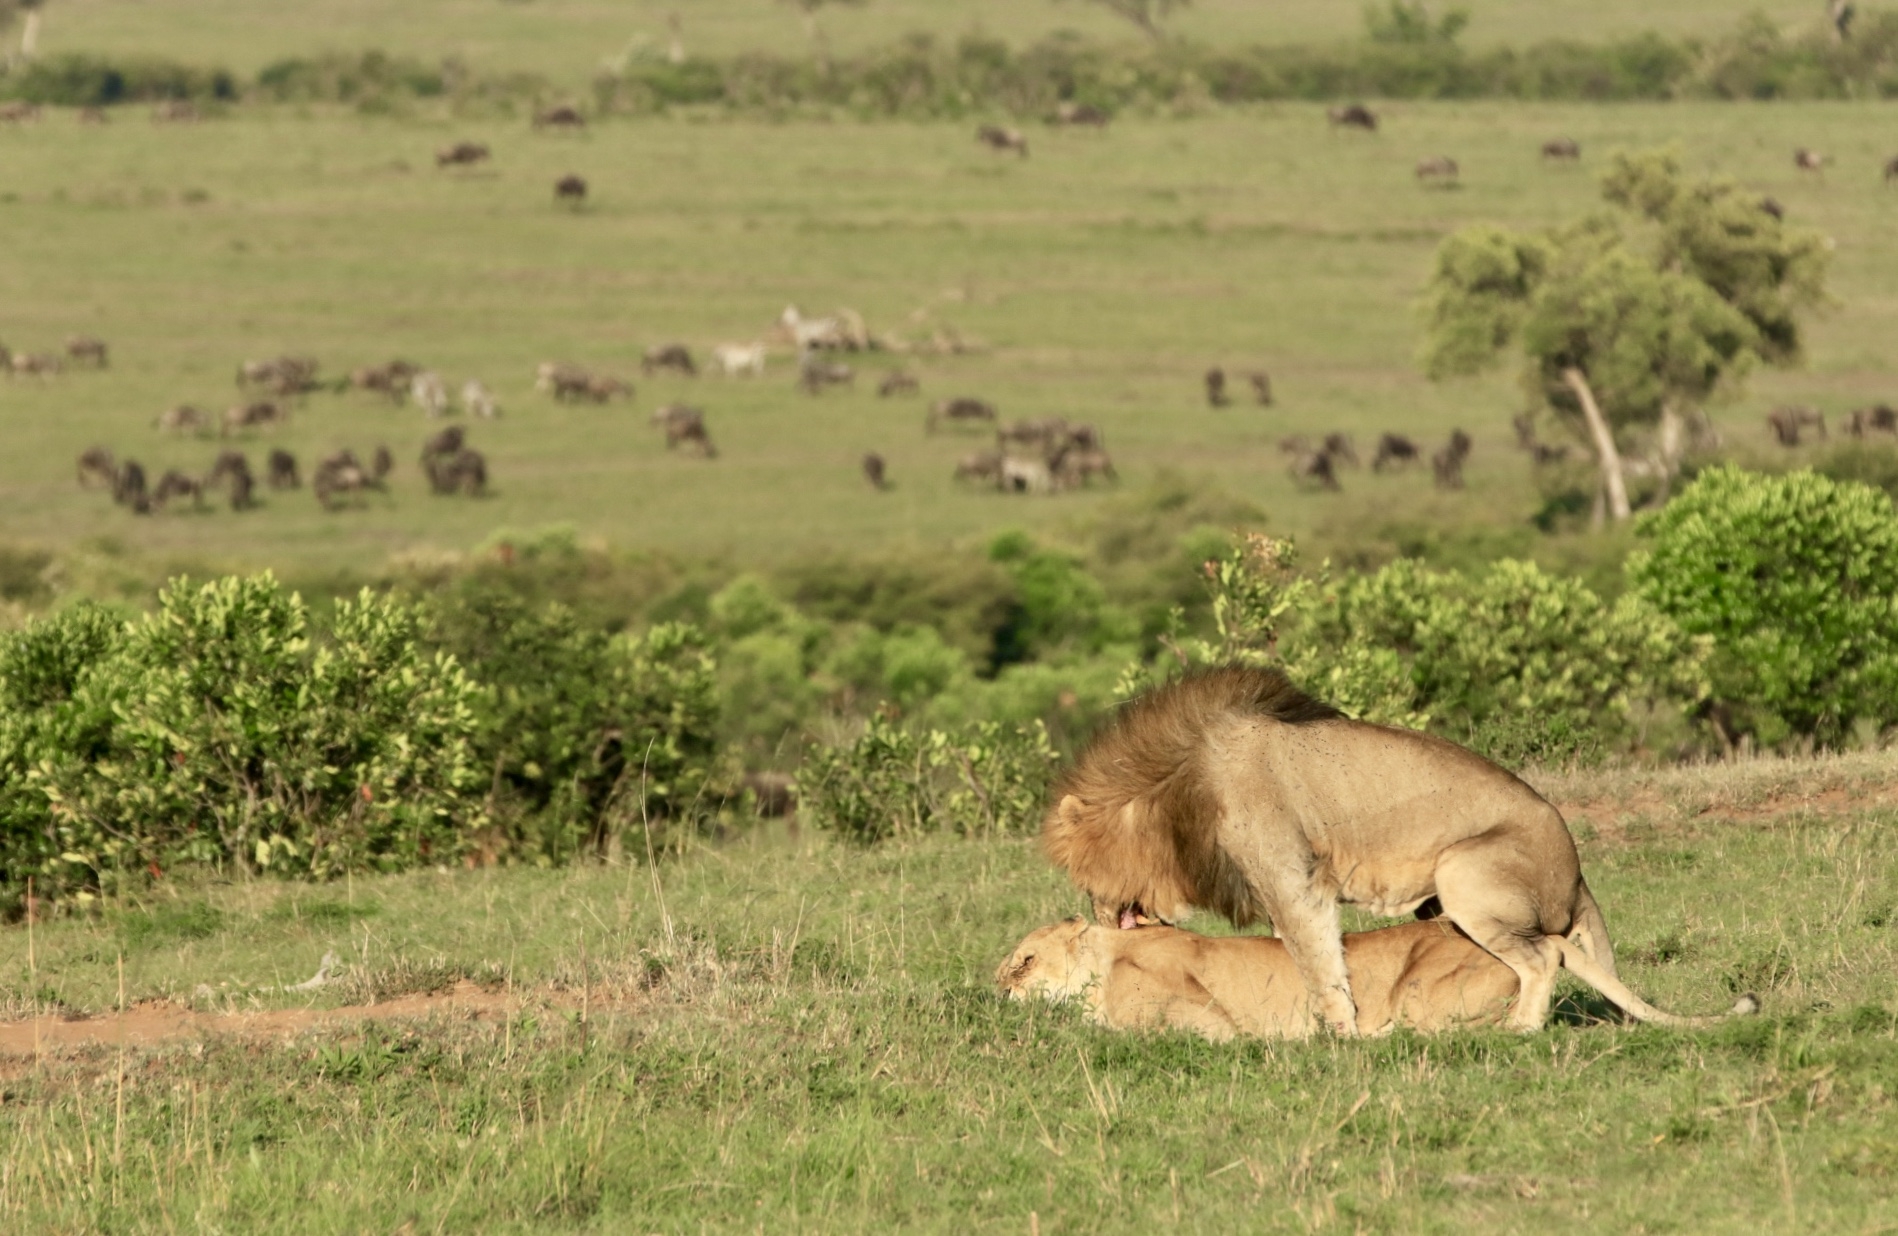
1102, 275
785, 1034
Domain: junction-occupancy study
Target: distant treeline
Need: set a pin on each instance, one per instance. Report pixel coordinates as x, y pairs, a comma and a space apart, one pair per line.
921, 76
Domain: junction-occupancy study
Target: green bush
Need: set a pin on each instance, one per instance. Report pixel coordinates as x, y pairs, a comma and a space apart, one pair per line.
987, 780
212, 731
1795, 578
77, 79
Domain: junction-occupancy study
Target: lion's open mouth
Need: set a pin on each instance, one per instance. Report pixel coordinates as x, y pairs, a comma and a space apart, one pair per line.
1135, 915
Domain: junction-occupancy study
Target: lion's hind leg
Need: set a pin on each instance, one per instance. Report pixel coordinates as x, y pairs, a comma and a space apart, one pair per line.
1489, 889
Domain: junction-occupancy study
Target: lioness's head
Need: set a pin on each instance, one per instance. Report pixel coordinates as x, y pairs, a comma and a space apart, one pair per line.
1048, 963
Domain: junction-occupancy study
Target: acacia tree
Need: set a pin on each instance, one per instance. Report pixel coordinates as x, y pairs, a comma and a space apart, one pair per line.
1148, 15
1628, 319
808, 9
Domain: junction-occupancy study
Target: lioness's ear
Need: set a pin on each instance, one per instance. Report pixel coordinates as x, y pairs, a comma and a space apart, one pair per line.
1070, 810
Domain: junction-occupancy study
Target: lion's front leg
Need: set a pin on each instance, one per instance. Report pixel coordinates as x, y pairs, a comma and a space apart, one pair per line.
1307, 921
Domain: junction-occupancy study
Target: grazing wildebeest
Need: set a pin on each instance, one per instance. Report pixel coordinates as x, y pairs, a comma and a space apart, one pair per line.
1447, 463
464, 471
282, 375
1078, 465
562, 380
1772, 207
1879, 418
563, 116
734, 359
1310, 467
1561, 148
1352, 116
898, 382
380, 465
1043, 433
252, 415
1340, 446
185, 417
97, 464
175, 111
1069, 112
685, 424
1808, 160
446, 442
233, 467
36, 364
603, 389
281, 470
1394, 449
570, 188
1085, 436
86, 350
1000, 138
93, 115
391, 378
128, 487
429, 393
814, 374
1891, 169
175, 484
477, 401
18, 112
962, 410
980, 466
1788, 423
1525, 426
1216, 388
1441, 169
873, 471
337, 475
460, 153
773, 794
1261, 388
674, 356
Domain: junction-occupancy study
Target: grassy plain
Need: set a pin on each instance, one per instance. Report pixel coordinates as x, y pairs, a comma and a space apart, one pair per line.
1105, 273
789, 1034
567, 39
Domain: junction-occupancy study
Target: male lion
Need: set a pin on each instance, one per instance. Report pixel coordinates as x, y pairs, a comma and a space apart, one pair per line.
1233, 791
1425, 975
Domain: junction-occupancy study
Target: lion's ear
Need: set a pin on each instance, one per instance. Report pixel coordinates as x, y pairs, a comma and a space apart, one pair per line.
1070, 810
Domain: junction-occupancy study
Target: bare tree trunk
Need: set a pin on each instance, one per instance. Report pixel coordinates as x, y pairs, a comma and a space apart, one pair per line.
1610, 459
1673, 439
30, 36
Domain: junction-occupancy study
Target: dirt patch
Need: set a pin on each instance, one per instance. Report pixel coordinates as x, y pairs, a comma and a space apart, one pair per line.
1610, 815
160, 1021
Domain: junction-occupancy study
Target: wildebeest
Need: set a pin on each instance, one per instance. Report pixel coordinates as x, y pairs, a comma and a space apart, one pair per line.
962, 410
281, 375
1001, 138
281, 470
1879, 418
253, 415
1394, 449
18, 111
446, 442
1311, 467
128, 487
429, 393
570, 188
813, 375
175, 484
1352, 116
685, 424
461, 153
1788, 423
1441, 168
476, 401
184, 418
873, 471
1891, 169
1340, 447
734, 359
570, 383
1043, 433
233, 468
1561, 148
35, 364
1807, 160
464, 471
562, 116
97, 464
175, 111
840, 331
391, 378
980, 466
1073, 465
1070, 112
898, 382
86, 350
1261, 388
1447, 464
674, 356
337, 475
1216, 388
380, 465
1772, 207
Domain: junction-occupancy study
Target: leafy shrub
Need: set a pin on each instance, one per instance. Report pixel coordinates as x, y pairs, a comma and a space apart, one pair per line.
1795, 578
211, 731
75, 79
986, 781
342, 78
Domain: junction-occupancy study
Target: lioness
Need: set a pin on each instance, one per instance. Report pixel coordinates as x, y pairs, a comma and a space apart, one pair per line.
1233, 791
1425, 975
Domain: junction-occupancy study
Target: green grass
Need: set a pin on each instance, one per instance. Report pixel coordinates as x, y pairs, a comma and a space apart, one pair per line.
1106, 272
813, 1043
567, 39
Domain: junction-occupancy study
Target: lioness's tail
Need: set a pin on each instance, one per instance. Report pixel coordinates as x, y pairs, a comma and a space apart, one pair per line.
1584, 968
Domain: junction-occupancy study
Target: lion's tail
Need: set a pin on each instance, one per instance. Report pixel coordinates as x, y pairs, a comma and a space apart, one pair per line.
1586, 969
